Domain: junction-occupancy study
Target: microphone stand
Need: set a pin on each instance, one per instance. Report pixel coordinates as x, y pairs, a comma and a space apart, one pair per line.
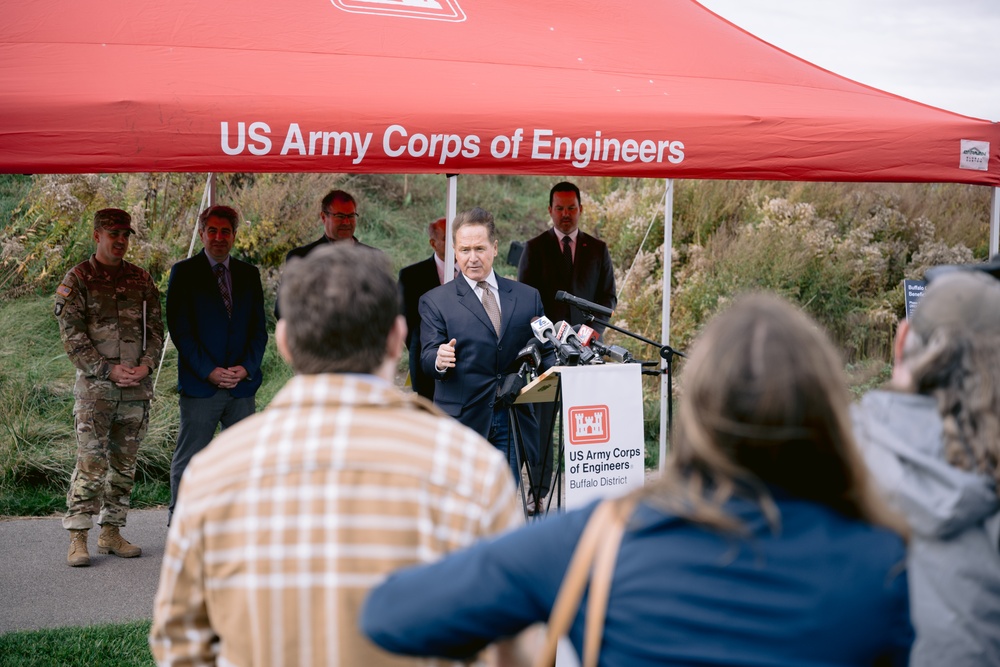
667, 353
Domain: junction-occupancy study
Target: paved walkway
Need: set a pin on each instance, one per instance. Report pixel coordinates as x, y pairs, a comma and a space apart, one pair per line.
38, 590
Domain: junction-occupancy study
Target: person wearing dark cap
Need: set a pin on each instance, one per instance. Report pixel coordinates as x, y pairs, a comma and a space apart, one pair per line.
109, 320
339, 213
932, 442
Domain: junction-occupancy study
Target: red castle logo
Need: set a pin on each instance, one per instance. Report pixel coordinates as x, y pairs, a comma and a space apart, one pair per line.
433, 10
589, 424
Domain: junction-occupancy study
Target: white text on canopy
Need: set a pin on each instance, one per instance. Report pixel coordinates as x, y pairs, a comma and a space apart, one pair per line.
257, 138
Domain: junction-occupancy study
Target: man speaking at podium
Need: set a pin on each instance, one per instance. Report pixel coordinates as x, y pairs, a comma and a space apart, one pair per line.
471, 331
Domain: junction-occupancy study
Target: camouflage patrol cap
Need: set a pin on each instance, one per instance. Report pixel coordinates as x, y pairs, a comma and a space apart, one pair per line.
962, 300
113, 218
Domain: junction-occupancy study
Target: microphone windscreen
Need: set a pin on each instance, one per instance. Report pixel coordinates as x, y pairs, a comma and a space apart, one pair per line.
586, 334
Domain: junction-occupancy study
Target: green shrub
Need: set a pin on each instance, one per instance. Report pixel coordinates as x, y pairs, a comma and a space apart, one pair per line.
839, 250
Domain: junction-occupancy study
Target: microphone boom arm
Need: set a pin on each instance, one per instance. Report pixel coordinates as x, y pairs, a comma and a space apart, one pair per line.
666, 352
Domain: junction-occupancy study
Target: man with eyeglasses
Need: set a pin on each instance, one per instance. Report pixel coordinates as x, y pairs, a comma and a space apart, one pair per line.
339, 213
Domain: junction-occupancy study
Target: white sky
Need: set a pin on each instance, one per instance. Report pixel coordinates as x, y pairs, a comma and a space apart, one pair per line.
945, 53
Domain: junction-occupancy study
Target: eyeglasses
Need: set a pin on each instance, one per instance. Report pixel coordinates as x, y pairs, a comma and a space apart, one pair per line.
342, 216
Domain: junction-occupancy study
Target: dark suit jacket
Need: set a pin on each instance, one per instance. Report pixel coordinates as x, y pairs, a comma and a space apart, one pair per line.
304, 250
416, 280
468, 391
205, 336
593, 278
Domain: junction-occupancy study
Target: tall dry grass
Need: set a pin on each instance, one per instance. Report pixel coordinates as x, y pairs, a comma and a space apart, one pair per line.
839, 250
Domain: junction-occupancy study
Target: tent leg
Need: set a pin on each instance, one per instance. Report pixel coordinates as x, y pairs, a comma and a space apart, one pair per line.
665, 384
995, 223
207, 199
449, 245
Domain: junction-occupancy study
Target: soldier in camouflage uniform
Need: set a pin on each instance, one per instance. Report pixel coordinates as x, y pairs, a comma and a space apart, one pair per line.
109, 319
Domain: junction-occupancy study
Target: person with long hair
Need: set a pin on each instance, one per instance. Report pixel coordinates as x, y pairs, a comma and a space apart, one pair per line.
762, 543
932, 440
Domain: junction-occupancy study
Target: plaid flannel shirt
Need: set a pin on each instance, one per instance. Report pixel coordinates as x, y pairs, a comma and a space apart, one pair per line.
289, 517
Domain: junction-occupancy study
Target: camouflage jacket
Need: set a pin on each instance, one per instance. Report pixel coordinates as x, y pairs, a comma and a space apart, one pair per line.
101, 324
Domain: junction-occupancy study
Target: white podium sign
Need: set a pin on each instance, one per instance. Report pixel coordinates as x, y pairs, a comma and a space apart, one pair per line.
602, 418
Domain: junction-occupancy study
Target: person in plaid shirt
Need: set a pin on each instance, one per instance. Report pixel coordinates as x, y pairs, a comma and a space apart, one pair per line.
289, 517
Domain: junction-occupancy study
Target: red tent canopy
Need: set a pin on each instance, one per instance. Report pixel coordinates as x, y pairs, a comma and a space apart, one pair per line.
657, 88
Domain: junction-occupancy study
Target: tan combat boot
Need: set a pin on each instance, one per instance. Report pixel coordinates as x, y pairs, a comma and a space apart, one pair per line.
110, 542
78, 556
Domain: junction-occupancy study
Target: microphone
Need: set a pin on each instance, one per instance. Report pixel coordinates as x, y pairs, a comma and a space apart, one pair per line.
530, 356
583, 304
543, 330
569, 337
615, 353
586, 334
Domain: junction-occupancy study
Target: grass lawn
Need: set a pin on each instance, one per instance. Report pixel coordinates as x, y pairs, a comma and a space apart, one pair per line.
119, 645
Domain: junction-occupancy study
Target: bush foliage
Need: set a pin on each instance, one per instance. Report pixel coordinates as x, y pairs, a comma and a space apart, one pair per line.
839, 250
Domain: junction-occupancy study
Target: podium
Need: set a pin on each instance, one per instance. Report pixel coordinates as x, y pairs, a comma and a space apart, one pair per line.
601, 444
543, 389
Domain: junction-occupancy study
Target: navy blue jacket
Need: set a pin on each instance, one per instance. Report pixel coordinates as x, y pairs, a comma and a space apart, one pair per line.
205, 337
824, 591
467, 392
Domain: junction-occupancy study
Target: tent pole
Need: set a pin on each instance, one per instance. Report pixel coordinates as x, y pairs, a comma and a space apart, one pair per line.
995, 223
665, 380
449, 246
207, 197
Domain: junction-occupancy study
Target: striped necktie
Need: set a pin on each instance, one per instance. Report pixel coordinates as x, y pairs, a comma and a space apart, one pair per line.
227, 298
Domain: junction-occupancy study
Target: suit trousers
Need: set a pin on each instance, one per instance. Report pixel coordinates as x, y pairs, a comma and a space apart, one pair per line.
541, 465
501, 438
199, 419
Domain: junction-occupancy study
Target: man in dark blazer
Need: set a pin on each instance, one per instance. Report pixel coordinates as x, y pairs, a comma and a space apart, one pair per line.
215, 314
564, 258
339, 213
467, 346
416, 280
544, 264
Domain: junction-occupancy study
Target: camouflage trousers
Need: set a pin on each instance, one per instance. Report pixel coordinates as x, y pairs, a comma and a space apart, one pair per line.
108, 434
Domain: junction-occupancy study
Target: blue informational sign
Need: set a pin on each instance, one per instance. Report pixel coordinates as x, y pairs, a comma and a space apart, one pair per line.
914, 290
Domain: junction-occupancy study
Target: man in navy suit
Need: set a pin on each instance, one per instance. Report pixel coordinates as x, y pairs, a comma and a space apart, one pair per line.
215, 314
416, 280
339, 213
471, 330
564, 258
